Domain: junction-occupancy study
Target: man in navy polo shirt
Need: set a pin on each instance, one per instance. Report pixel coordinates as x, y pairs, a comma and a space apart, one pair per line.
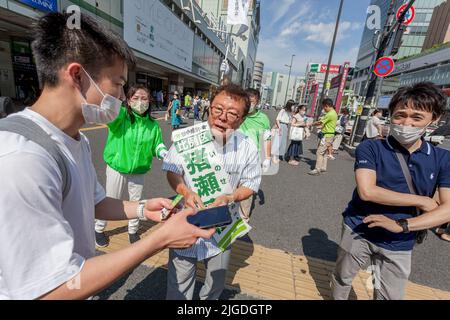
380, 221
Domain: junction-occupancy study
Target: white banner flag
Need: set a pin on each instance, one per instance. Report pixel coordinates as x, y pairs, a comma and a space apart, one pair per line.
237, 12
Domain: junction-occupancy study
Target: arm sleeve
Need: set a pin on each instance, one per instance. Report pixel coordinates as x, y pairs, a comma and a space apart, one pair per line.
267, 135
326, 118
99, 191
172, 162
36, 252
267, 132
280, 115
365, 156
251, 175
159, 146
115, 125
444, 174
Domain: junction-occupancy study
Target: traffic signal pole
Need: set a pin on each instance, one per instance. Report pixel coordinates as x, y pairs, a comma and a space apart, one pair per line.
391, 31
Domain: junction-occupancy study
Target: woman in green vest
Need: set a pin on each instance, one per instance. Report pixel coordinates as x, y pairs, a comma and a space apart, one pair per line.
134, 139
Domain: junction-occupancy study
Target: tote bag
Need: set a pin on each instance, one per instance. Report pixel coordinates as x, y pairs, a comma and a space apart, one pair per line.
297, 134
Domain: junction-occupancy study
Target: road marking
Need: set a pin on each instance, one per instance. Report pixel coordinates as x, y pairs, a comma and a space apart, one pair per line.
94, 128
272, 273
104, 126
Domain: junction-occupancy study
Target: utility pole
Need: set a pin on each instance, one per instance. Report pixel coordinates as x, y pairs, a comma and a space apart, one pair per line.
289, 78
391, 31
330, 59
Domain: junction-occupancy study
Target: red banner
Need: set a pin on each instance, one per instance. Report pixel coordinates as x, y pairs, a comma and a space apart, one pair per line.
333, 69
315, 89
342, 86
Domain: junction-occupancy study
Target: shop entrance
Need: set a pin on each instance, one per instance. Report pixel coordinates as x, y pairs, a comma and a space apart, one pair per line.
25, 74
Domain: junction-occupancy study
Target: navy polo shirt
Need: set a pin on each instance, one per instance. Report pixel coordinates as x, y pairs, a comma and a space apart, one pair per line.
430, 169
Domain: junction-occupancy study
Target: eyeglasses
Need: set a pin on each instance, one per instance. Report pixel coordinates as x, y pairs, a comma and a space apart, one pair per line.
230, 115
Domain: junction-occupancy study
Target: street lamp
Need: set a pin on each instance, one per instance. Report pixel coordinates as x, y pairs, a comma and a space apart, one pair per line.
330, 58
289, 78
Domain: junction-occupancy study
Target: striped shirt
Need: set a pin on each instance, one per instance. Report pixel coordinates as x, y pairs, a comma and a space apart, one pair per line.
242, 163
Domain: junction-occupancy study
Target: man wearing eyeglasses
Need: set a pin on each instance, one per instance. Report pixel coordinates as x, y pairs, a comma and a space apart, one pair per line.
242, 163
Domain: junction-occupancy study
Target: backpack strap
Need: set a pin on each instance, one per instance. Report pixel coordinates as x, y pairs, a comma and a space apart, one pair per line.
33, 132
421, 235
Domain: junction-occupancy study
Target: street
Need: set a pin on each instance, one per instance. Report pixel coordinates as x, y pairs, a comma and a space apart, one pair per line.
294, 212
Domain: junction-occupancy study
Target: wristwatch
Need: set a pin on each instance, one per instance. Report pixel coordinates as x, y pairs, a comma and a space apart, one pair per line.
404, 224
140, 210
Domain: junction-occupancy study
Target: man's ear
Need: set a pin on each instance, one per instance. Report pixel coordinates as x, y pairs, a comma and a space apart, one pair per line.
436, 122
74, 72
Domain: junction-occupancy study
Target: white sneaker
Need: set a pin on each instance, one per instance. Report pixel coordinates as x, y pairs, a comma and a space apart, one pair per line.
315, 172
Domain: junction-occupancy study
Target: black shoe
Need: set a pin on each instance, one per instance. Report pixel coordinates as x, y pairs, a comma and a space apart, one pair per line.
101, 240
133, 238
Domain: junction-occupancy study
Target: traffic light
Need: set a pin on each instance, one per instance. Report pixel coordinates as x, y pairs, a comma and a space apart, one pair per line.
397, 40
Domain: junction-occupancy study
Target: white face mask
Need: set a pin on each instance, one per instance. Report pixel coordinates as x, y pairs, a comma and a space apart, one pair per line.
407, 135
140, 107
108, 110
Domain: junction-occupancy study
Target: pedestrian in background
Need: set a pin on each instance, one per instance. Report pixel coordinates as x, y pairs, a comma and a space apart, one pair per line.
374, 129
328, 123
134, 139
206, 105
197, 104
159, 100
281, 132
187, 105
176, 113
340, 130
298, 124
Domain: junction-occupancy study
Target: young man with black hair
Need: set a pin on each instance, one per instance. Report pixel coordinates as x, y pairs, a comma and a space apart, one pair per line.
396, 181
328, 123
47, 241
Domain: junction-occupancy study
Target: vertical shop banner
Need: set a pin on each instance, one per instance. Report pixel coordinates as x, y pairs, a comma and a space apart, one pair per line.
151, 28
315, 91
342, 85
205, 172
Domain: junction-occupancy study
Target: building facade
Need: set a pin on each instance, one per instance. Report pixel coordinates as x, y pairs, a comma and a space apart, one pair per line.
432, 65
243, 48
279, 88
439, 30
175, 48
315, 78
412, 41
258, 75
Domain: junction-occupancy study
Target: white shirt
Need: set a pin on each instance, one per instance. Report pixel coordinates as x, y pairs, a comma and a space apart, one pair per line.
44, 241
372, 128
284, 117
241, 162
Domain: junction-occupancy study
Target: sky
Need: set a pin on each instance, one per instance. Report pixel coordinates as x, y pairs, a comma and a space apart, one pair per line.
305, 28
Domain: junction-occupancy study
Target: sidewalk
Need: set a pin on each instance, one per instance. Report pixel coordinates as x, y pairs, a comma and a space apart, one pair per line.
273, 274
